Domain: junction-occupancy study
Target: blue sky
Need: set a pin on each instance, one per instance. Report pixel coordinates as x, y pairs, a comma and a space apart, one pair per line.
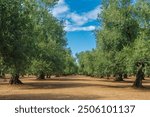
80, 18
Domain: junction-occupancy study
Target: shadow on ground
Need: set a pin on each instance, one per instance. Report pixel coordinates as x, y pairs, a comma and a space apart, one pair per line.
56, 85
65, 85
48, 96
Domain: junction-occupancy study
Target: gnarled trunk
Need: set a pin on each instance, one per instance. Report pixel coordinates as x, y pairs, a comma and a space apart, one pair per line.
48, 76
108, 76
125, 75
57, 75
118, 77
15, 79
41, 76
139, 77
138, 81
2, 75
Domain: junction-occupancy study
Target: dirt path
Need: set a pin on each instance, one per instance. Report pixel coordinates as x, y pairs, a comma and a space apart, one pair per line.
74, 88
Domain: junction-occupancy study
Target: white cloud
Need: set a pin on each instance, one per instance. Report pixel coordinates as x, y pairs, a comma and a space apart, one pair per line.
75, 21
92, 15
83, 18
76, 28
60, 8
70, 27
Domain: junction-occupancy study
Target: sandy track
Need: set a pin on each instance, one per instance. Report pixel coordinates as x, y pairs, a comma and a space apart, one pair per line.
74, 88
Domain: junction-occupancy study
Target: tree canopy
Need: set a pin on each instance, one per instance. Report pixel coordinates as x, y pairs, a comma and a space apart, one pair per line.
122, 40
32, 39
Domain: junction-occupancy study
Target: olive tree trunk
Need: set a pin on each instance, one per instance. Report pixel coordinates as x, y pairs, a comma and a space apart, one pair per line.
41, 76
139, 77
48, 76
125, 75
119, 77
2, 74
15, 79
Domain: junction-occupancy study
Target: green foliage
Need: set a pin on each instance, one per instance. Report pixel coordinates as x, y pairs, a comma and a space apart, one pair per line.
122, 40
32, 39
85, 60
16, 34
50, 45
70, 64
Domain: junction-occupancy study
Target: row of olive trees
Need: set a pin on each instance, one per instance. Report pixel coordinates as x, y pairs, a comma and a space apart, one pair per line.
123, 42
32, 41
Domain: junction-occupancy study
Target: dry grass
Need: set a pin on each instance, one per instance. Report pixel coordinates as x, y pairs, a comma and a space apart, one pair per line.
74, 88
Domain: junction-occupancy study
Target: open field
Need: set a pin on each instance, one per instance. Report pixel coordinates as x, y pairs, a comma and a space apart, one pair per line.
74, 88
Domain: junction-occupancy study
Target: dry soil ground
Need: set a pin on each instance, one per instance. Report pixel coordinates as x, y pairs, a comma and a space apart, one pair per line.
74, 88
